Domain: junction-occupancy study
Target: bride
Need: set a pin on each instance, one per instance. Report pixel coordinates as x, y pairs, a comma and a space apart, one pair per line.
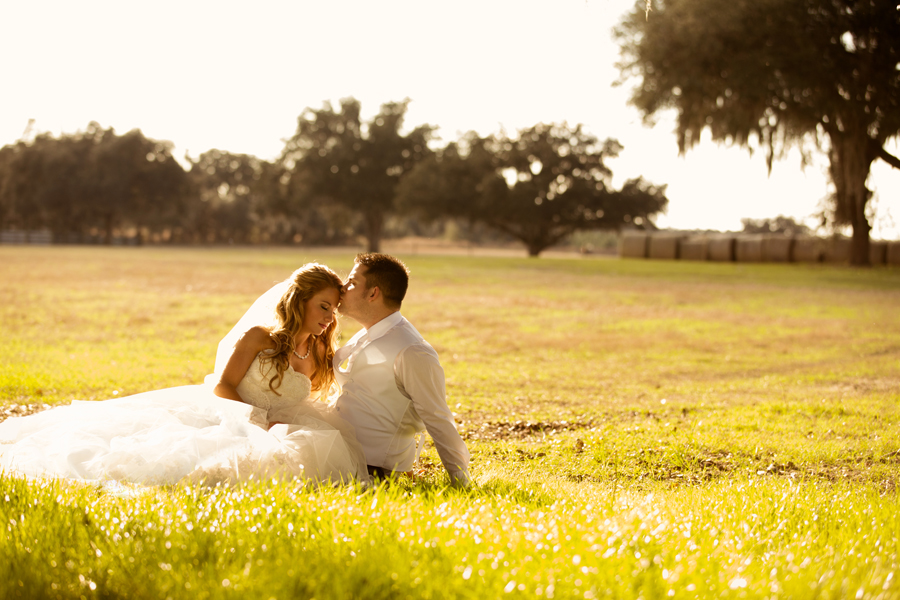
255, 418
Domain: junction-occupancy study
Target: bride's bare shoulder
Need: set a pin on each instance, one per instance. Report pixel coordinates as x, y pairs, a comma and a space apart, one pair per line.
256, 338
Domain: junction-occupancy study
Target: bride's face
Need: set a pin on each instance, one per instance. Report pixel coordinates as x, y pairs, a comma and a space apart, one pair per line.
320, 311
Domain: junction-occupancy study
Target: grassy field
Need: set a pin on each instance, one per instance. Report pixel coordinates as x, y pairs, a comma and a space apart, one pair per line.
638, 429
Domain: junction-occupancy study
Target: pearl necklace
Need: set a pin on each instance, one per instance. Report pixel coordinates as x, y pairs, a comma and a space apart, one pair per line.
308, 350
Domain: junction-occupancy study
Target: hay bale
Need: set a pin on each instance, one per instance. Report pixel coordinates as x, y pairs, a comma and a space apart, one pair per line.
720, 248
877, 252
807, 249
663, 247
748, 248
693, 248
633, 244
777, 248
892, 254
837, 250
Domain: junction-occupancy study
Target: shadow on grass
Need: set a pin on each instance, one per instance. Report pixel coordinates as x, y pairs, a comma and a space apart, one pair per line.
435, 489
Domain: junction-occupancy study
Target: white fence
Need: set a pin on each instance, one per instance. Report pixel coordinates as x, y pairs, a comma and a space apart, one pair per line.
42, 236
45, 237
749, 248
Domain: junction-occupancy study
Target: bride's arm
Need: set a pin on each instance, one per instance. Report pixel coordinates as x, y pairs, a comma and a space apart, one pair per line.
254, 341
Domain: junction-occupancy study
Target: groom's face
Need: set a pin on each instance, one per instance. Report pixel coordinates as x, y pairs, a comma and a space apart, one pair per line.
353, 298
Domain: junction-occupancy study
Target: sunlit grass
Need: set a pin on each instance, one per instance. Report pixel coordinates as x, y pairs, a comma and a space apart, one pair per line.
747, 537
695, 428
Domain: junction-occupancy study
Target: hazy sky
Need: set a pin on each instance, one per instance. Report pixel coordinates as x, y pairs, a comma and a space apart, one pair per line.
235, 76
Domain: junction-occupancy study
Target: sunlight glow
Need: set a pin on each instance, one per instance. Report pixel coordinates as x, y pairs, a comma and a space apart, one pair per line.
384, 53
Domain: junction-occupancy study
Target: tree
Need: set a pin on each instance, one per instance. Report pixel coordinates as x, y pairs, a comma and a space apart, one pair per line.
134, 180
777, 73
314, 222
91, 178
451, 182
62, 196
7, 154
21, 181
231, 199
538, 188
44, 182
780, 224
242, 198
356, 164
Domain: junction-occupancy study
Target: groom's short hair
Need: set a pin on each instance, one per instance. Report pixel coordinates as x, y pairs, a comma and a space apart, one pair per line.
388, 274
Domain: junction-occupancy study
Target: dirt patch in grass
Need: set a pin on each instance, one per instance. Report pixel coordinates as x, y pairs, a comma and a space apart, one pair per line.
520, 430
570, 450
21, 410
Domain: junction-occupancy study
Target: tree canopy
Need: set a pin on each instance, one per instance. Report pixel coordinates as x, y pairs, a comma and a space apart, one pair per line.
94, 179
775, 73
780, 225
233, 192
543, 185
353, 163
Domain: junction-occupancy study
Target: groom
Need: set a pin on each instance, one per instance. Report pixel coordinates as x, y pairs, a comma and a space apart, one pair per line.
392, 383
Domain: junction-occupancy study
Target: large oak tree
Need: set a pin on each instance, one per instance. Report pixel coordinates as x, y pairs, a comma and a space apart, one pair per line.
776, 73
356, 164
134, 180
232, 192
93, 179
539, 187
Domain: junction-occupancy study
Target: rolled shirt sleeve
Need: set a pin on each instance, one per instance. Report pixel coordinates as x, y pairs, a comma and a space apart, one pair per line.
420, 378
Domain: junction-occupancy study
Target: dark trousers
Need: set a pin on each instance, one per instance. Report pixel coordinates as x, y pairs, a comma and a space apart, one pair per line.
380, 472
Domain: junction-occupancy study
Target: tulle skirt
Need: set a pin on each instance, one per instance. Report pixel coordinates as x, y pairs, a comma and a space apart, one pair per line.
181, 434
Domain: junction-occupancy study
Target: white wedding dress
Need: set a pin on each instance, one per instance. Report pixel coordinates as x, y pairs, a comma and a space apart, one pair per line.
188, 434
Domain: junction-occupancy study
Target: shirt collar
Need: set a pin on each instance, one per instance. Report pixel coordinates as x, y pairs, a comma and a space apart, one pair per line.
383, 326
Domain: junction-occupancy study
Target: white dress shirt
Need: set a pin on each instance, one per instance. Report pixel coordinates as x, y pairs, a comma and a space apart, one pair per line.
392, 388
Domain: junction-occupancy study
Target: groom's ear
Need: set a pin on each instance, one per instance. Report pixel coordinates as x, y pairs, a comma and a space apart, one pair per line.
373, 293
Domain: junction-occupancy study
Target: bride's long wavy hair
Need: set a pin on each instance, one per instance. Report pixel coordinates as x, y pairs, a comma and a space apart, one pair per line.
306, 282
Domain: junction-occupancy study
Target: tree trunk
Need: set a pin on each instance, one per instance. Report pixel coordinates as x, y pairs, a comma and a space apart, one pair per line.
538, 242
374, 229
859, 249
109, 222
850, 164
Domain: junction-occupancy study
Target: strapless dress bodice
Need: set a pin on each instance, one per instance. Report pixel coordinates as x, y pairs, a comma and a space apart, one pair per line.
280, 404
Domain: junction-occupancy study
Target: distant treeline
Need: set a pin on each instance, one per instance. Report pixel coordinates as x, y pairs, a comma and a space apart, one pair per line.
338, 178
